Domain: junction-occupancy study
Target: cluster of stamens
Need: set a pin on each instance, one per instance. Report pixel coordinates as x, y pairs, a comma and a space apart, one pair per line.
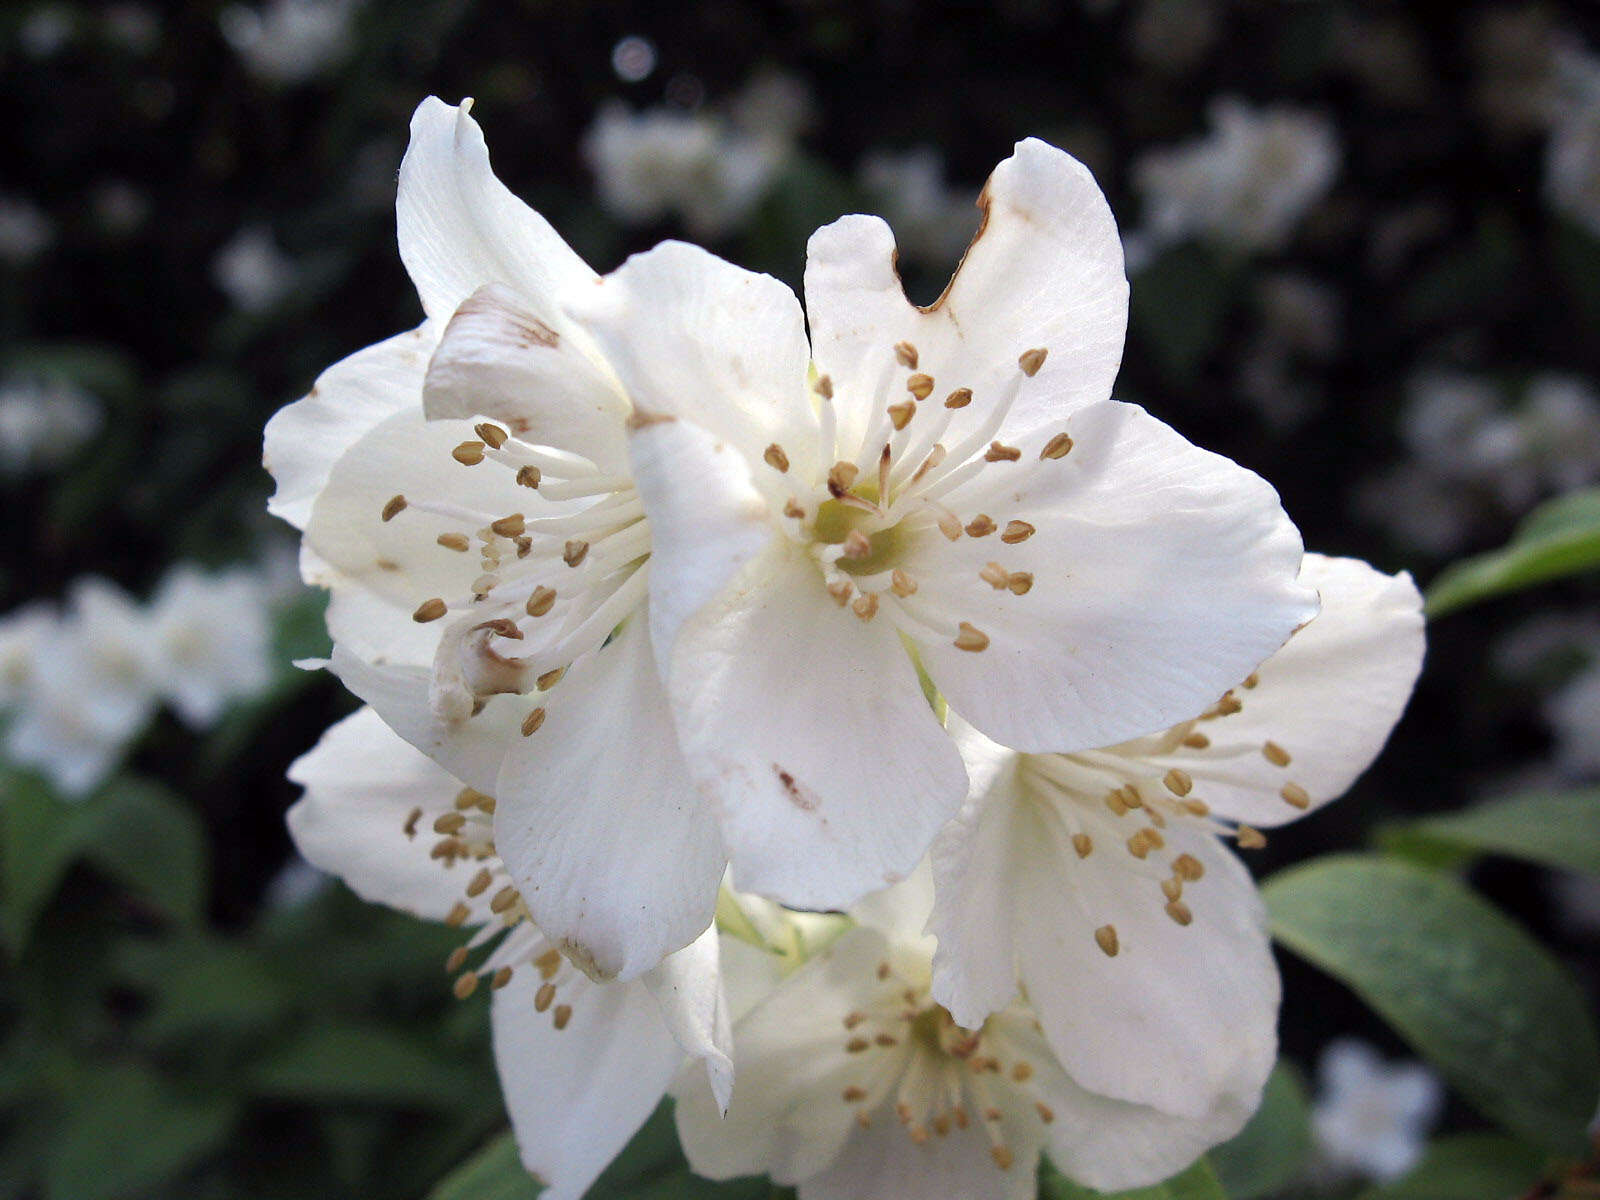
466, 843
860, 516
931, 1074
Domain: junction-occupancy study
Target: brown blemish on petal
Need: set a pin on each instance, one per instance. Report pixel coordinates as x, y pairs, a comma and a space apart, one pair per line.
798, 797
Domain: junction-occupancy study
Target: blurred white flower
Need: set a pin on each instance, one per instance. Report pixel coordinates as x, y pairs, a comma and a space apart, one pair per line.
296, 883
210, 640
856, 1084
88, 692
660, 162
1299, 328
119, 206
290, 41
135, 27
23, 634
581, 1063
252, 270
1371, 1119
1174, 34
1574, 717
774, 105
933, 222
24, 230
46, 30
1246, 184
42, 422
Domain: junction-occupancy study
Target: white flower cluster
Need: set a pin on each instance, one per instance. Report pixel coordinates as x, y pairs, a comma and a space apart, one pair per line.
1472, 456
683, 615
288, 42
1244, 186
42, 422
78, 684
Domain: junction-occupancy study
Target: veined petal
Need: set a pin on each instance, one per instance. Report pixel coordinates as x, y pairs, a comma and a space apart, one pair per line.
706, 519
1315, 714
688, 987
577, 1094
1044, 271
305, 439
787, 1119
363, 784
460, 228
841, 780
975, 865
615, 852
882, 1162
700, 339
1161, 575
498, 359
1195, 1005
1110, 1144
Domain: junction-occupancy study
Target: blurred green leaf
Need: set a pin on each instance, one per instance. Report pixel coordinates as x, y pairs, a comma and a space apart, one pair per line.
1554, 829
1199, 1182
494, 1173
1467, 987
204, 986
1178, 305
1270, 1152
364, 1064
39, 838
1482, 1166
126, 1130
1560, 538
148, 839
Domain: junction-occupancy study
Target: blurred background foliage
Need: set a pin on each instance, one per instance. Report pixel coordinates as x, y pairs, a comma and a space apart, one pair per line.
185, 1011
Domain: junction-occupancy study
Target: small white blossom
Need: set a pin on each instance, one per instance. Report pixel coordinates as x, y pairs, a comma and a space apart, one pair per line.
252, 270
1371, 1118
290, 41
210, 641
658, 163
24, 633
42, 423
933, 222
24, 230
1246, 184
581, 1063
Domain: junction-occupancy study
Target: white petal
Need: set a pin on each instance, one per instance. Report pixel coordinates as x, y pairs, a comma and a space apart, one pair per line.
362, 783
615, 852
883, 1163
688, 987
697, 338
810, 729
1044, 271
576, 1095
975, 866
1327, 700
391, 567
1111, 1144
305, 439
1180, 1015
706, 520
498, 359
1162, 575
460, 228
787, 1119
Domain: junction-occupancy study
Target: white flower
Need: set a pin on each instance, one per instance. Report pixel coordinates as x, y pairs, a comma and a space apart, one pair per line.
209, 640
1572, 155
657, 163
23, 635
42, 422
792, 540
24, 230
1370, 1118
1247, 184
289, 41
855, 1084
88, 691
932, 222
581, 1064
252, 270
1101, 881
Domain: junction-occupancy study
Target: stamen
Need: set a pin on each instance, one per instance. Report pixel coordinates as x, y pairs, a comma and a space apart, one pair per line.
959, 398
491, 433
1188, 868
468, 454
971, 638
1001, 453
1106, 938
574, 551
500, 978
1179, 912
465, 985
866, 607
906, 354
920, 386
1020, 582
512, 526
531, 722
1249, 838
1275, 754
1083, 844
995, 576
541, 601
981, 525
775, 458
1197, 741
1016, 531
563, 1014
841, 591
394, 508
1056, 447
901, 584
529, 477
1296, 795
900, 414
544, 997
454, 541
429, 610
410, 827
857, 546
1178, 782
841, 476
1032, 360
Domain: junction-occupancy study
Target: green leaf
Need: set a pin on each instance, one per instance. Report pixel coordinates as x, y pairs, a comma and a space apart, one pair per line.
39, 838
1557, 539
1467, 987
1269, 1153
125, 1130
204, 986
1485, 1166
494, 1173
364, 1064
1199, 1182
1554, 829
148, 839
